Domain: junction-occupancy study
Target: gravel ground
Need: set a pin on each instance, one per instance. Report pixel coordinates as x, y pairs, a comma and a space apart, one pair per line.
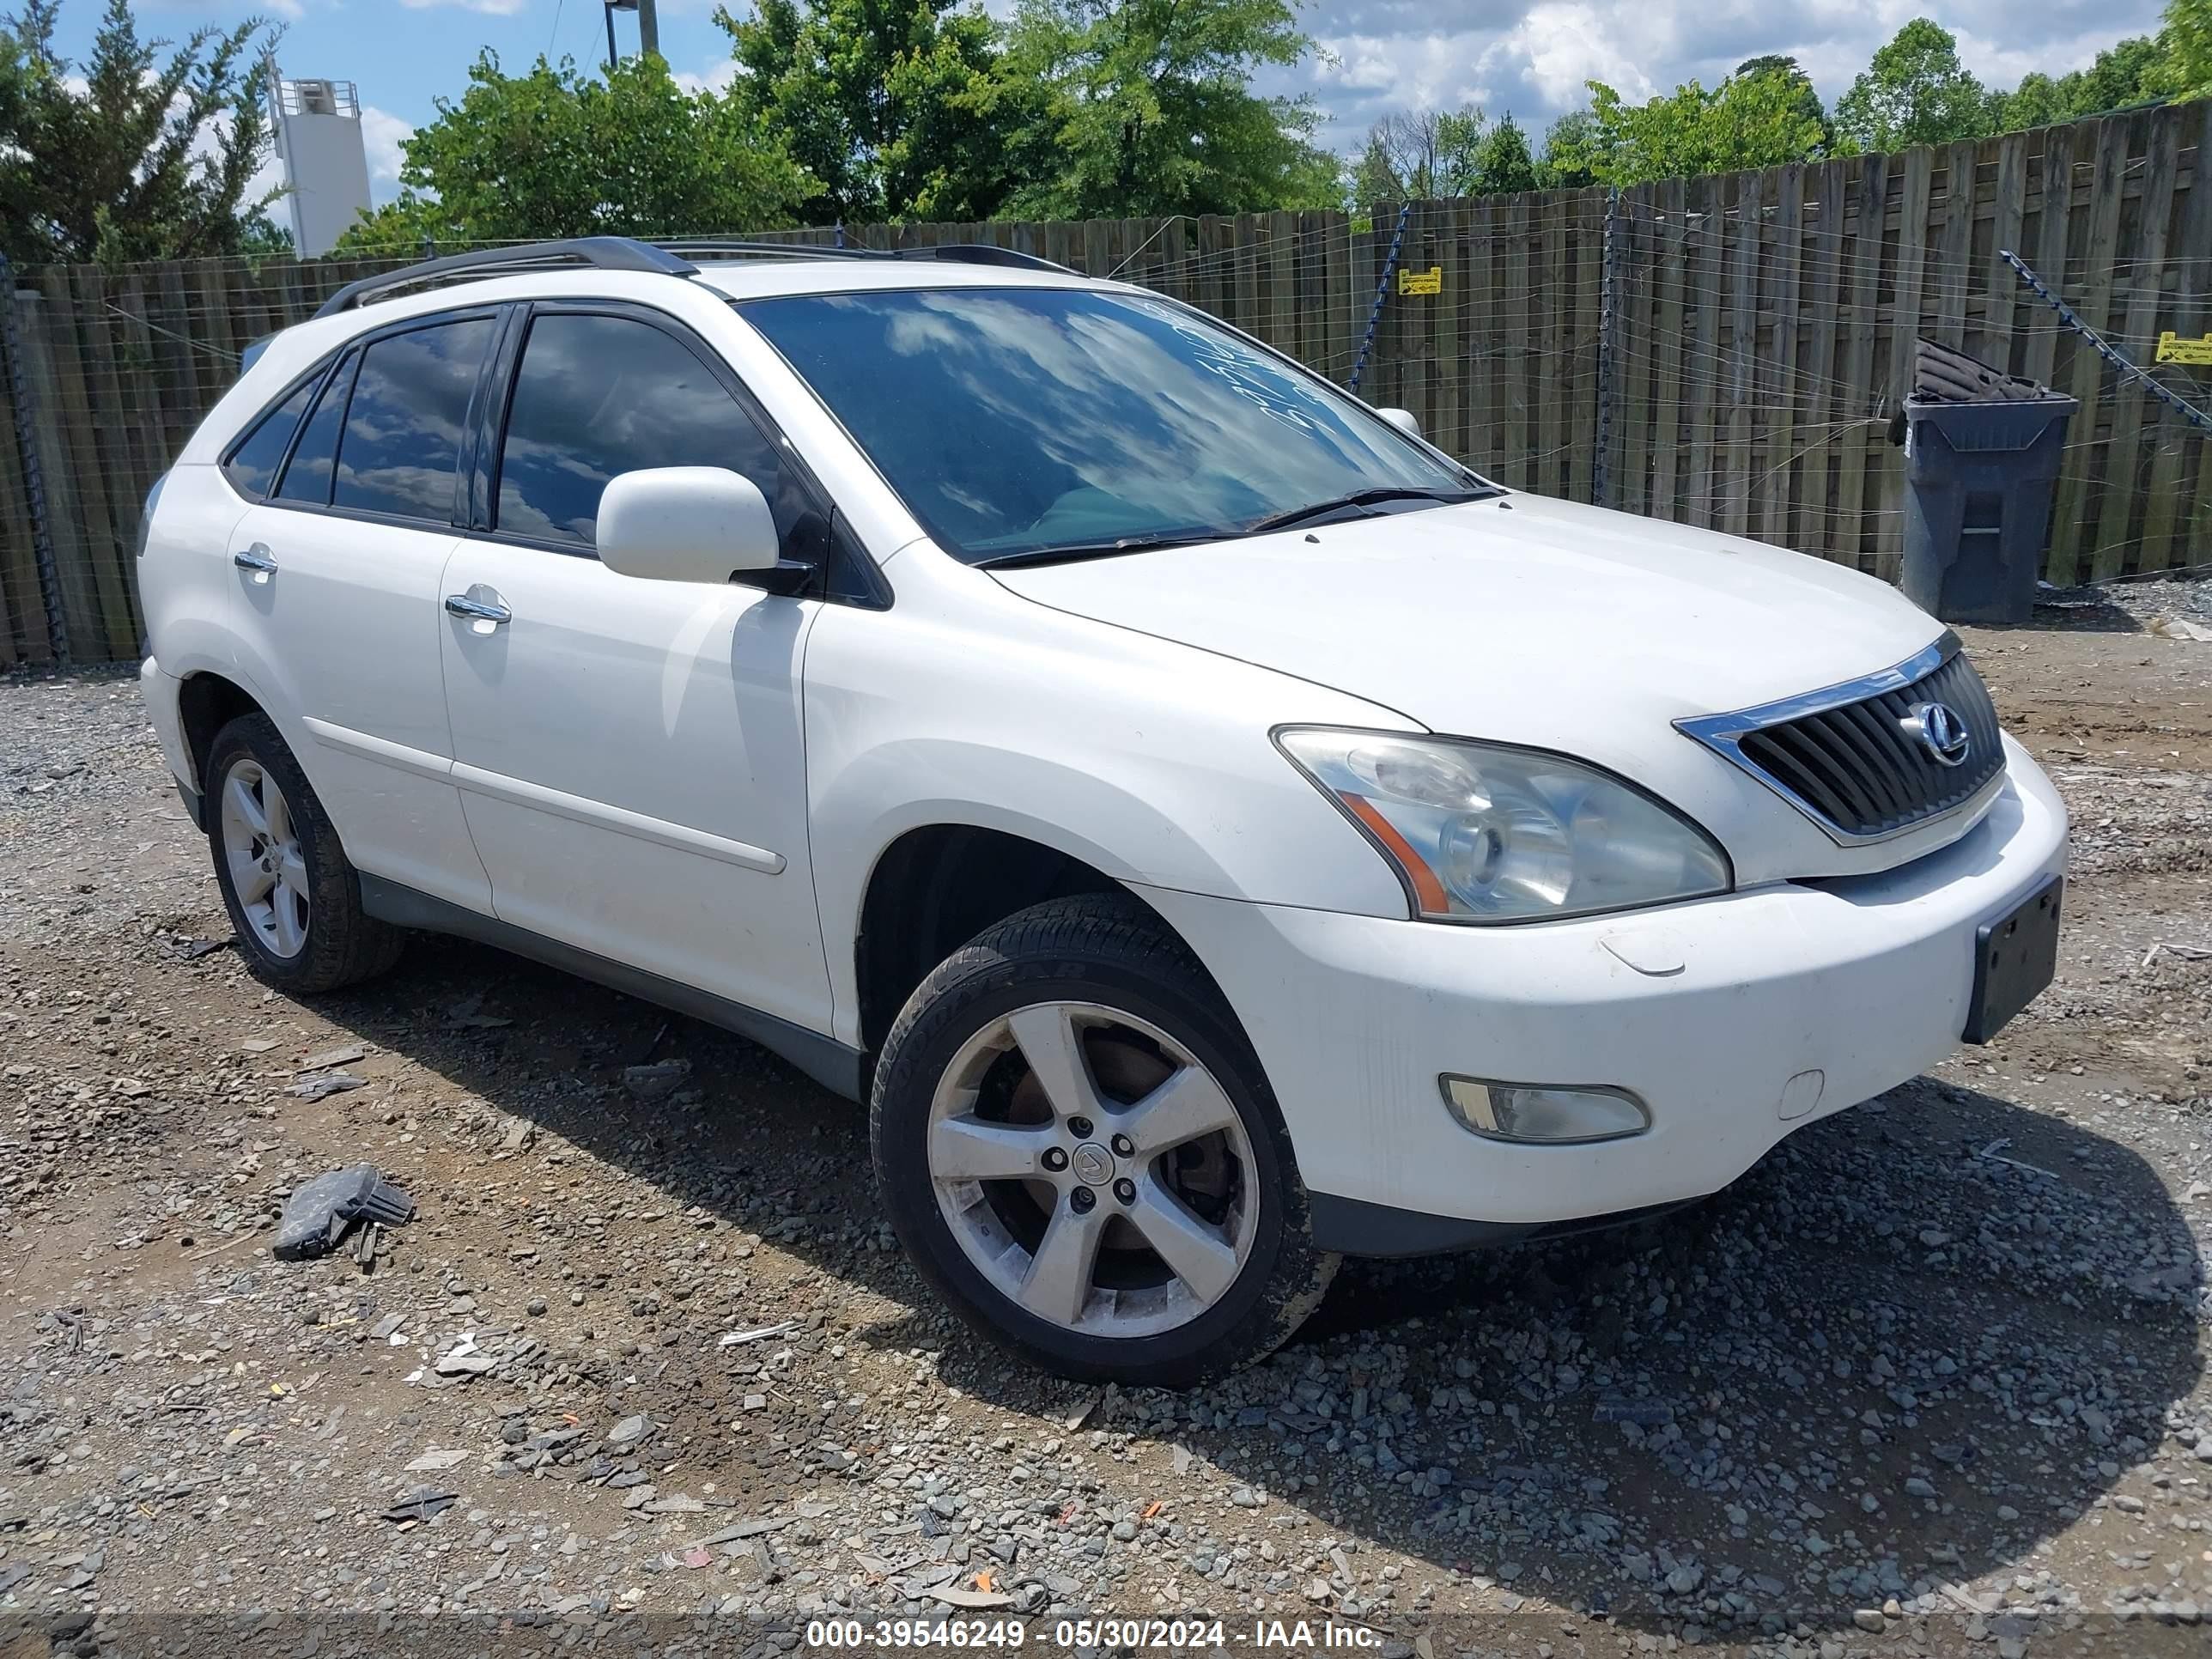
647, 1369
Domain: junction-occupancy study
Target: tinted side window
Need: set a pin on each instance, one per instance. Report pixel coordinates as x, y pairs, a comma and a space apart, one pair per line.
401, 452
253, 465
307, 474
598, 396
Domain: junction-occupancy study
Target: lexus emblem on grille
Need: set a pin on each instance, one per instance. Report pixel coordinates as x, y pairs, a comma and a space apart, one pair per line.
1940, 732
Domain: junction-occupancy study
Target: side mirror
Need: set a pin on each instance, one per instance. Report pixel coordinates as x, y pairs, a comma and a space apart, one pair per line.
686, 524
1403, 419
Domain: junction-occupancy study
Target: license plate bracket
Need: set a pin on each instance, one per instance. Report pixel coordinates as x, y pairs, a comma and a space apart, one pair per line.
2015, 958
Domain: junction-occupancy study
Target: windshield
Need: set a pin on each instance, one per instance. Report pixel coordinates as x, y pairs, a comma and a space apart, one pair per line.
1012, 421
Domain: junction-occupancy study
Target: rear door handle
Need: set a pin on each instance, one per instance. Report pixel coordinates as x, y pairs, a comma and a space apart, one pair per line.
256, 559
483, 611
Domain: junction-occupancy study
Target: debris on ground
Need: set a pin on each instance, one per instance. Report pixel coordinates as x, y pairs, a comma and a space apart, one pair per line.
319, 1211
323, 1085
758, 1333
656, 1081
423, 1503
331, 1059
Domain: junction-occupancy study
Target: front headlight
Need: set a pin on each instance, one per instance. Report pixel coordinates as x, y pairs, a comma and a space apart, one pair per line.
1480, 832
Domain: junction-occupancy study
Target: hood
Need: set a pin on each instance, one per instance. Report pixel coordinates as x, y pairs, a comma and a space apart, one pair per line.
1521, 619
1526, 620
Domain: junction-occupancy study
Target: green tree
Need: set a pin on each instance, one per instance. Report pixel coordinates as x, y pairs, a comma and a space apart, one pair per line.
1569, 142
2187, 48
1747, 121
2038, 101
1915, 92
1149, 109
889, 104
151, 158
261, 237
553, 152
2136, 70
1503, 164
411, 224
1420, 155
1808, 96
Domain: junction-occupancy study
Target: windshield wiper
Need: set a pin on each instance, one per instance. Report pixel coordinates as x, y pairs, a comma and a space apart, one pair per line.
1068, 551
1363, 498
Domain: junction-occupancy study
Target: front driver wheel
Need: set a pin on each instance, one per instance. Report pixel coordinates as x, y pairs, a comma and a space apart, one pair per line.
1078, 1149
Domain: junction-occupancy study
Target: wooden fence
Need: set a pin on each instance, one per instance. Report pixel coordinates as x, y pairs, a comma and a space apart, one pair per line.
1767, 322
1761, 329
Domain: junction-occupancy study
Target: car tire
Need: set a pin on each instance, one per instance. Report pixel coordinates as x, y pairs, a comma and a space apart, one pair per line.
294, 896
1030, 1188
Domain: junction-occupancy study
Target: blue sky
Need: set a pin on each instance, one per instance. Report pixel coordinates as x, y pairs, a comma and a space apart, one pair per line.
1530, 58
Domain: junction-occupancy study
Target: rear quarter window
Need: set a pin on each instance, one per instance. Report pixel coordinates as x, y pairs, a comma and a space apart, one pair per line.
252, 465
314, 458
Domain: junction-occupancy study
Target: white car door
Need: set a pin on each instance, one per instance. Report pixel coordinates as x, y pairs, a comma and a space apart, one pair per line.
630, 753
338, 573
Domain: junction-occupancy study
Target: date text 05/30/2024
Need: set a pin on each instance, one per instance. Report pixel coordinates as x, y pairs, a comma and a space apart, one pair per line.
1110, 1635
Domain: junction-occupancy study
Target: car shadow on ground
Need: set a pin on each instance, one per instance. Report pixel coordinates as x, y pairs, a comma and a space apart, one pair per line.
1920, 1339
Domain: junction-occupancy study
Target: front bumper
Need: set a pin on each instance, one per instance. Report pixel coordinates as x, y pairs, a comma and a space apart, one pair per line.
1707, 1011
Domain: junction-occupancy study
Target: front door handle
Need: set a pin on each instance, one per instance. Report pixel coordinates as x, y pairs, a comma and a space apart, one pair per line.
483, 611
256, 559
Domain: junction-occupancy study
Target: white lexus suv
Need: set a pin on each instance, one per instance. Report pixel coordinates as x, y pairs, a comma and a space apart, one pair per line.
1213, 830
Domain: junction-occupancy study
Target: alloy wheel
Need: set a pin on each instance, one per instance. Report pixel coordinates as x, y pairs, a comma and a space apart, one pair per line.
1093, 1171
261, 849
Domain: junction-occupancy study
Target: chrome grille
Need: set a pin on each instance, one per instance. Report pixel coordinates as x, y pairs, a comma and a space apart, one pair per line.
1851, 758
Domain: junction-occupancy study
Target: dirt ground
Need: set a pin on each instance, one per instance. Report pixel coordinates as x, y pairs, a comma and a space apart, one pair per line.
648, 1369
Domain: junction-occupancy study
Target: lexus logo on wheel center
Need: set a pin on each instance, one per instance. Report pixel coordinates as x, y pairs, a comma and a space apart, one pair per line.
1940, 732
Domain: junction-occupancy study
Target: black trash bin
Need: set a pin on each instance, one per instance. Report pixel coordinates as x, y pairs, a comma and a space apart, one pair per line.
1978, 513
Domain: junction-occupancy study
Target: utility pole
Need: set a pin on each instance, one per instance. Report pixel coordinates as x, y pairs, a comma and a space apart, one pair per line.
648, 29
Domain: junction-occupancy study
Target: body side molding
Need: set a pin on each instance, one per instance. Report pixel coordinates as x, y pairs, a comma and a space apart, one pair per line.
603, 815
399, 756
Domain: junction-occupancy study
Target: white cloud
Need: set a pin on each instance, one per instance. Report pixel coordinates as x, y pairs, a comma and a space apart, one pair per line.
1532, 57
382, 134
289, 10
1559, 48
717, 78
493, 8
1417, 71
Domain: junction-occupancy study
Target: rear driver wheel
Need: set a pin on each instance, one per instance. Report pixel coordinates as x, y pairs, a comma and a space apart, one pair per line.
1078, 1146
293, 897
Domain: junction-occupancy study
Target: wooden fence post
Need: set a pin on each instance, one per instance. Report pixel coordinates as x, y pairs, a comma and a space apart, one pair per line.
26, 408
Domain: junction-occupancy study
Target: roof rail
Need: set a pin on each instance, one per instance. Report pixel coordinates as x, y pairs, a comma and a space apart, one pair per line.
601, 252
662, 259
783, 250
967, 253
981, 253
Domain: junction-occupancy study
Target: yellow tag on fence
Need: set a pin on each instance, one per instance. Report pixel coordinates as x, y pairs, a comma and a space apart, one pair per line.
2172, 349
1431, 281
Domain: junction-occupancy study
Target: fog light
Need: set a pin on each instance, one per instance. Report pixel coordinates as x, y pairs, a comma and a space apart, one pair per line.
1533, 1113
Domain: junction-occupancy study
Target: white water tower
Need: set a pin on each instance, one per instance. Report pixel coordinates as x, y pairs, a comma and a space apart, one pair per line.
318, 139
